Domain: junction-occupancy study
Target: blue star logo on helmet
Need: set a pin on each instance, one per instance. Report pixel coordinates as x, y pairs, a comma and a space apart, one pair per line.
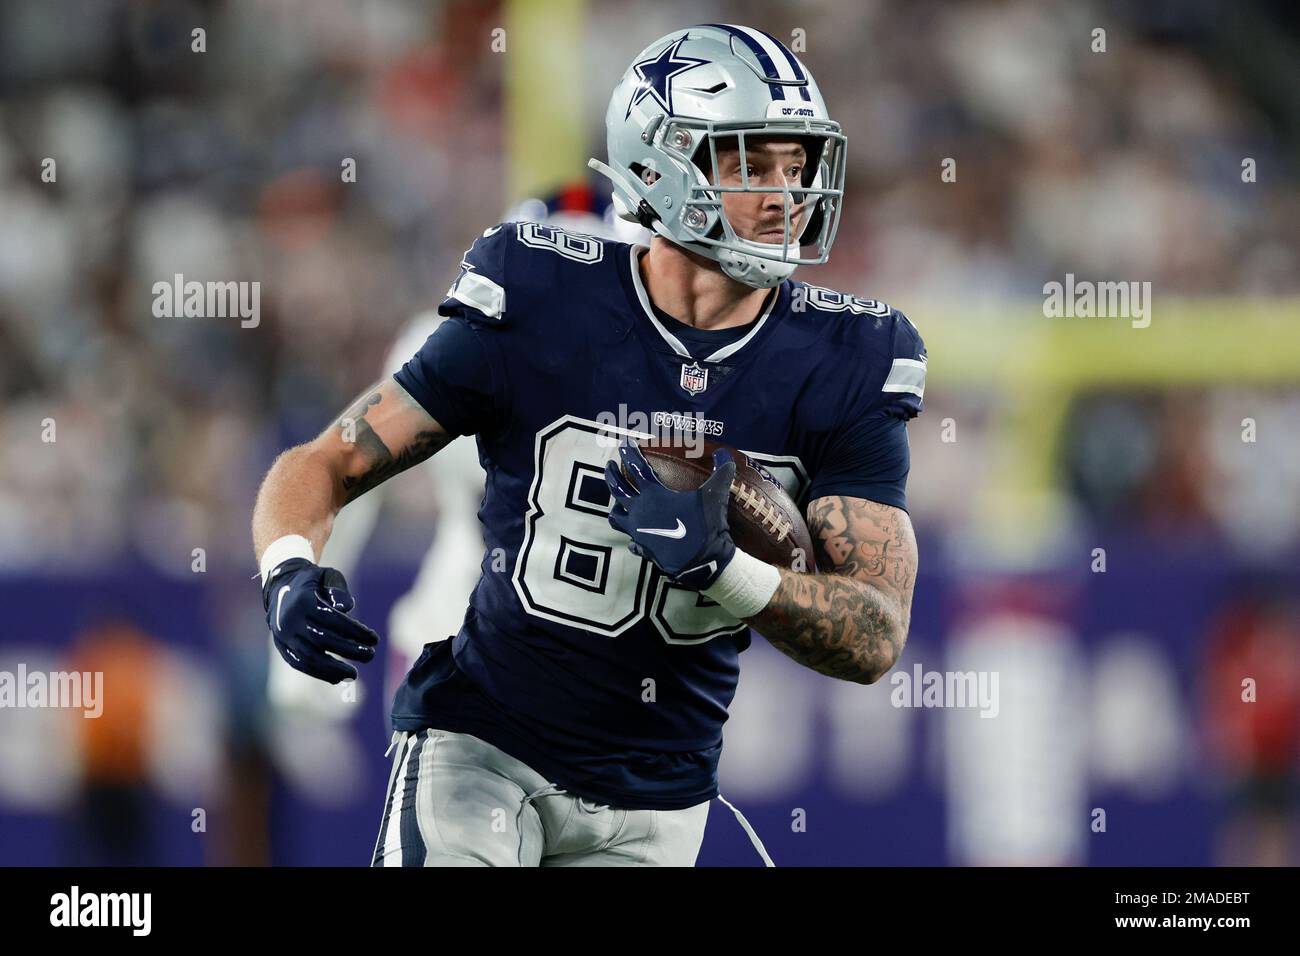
657, 73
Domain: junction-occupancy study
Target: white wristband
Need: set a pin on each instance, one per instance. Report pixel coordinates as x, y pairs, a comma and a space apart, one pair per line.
745, 585
282, 549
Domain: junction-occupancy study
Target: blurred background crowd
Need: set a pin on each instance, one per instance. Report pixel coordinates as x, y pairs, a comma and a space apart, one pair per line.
1123, 162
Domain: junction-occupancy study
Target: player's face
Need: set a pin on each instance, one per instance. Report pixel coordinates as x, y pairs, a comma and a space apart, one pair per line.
770, 162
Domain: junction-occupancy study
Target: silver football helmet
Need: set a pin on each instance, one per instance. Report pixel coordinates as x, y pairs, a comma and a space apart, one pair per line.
684, 93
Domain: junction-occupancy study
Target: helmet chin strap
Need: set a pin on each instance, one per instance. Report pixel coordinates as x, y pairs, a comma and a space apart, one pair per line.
753, 270
757, 270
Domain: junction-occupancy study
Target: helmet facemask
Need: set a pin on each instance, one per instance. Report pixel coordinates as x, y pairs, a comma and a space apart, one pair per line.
693, 145
811, 201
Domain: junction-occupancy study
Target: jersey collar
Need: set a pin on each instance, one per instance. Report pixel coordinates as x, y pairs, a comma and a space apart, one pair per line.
673, 341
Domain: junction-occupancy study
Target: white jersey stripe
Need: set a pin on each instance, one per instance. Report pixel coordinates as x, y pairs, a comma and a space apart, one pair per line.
479, 292
906, 375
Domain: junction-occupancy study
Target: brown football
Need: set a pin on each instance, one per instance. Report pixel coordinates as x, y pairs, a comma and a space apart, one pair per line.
764, 521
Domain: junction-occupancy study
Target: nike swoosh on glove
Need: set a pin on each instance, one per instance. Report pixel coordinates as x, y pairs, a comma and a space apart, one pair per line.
685, 533
307, 608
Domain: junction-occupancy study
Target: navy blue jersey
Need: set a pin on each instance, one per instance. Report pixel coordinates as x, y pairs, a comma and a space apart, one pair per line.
576, 656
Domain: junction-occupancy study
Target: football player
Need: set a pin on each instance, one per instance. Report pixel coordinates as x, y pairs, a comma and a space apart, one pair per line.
576, 717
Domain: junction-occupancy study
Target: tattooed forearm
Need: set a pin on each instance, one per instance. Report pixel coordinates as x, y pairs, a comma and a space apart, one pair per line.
833, 624
384, 432
373, 462
850, 622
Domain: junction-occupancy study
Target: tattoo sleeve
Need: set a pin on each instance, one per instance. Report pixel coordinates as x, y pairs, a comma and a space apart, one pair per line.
374, 462
850, 620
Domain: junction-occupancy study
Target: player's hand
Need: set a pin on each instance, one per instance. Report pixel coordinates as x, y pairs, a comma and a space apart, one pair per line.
685, 533
307, 608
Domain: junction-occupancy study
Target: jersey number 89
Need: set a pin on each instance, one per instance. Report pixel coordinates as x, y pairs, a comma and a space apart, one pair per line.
575, 569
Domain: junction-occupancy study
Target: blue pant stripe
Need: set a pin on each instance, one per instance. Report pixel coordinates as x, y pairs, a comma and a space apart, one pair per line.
413, 848
377, 859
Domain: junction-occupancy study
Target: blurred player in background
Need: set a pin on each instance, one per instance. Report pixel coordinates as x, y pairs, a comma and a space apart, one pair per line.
576, 718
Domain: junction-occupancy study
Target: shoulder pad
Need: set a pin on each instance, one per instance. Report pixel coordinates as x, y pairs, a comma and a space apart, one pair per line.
479, 289
905, 380
898, 363
515, 257
894, 348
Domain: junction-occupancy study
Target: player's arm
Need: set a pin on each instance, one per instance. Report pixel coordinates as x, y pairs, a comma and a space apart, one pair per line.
384, 432
850, 622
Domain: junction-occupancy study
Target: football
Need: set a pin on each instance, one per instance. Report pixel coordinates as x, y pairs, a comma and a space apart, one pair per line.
765, 522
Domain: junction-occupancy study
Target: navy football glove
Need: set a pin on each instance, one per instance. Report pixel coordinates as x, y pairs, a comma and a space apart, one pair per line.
307, 607
685, 533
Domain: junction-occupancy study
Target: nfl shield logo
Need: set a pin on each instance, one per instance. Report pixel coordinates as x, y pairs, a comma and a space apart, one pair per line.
695, 379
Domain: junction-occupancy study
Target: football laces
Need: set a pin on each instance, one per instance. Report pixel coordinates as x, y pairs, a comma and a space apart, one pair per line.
762, 509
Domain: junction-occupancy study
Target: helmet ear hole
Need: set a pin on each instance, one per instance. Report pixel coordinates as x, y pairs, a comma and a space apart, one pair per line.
644, 214
644, 173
